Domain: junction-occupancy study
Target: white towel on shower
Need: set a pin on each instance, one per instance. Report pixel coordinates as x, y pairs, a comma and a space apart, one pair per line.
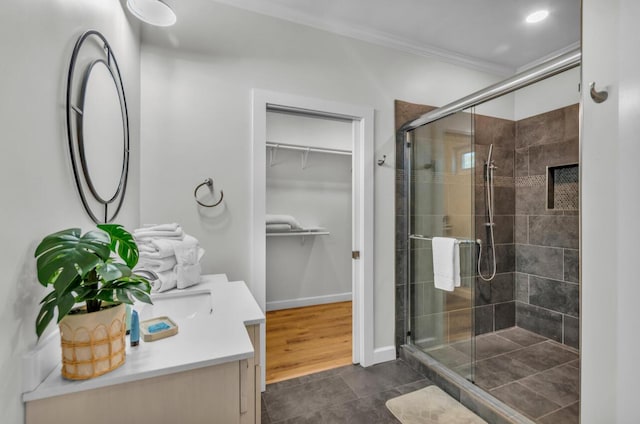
446, 263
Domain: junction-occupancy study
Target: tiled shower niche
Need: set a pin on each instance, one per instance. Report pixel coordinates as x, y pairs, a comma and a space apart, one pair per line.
563, 193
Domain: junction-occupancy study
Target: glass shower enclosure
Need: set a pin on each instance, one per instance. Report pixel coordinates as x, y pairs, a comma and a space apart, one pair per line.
439, 160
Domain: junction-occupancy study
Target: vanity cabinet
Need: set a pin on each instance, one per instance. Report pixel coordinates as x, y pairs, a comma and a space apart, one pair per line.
227, 393
253, 413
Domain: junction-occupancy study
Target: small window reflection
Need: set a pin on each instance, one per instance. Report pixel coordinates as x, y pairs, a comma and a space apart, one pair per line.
467, 160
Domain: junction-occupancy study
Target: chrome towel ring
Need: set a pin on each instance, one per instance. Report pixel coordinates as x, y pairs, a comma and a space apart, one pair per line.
207, 182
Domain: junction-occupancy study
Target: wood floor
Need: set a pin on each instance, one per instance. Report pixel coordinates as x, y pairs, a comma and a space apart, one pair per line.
306, 340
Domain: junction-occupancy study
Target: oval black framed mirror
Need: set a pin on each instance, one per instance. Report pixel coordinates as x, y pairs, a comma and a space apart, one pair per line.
97, 127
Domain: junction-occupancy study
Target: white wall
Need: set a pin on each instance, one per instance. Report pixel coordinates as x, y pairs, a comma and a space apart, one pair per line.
292, 128
197, 79
553, 93
609, 180
38, 190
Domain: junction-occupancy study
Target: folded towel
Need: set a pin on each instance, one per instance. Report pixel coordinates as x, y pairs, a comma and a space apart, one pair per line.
146, 248
278, 228
187, 275
186, 251
150, 250
149, 235
157, 265
283, 219
161, 227
446, 263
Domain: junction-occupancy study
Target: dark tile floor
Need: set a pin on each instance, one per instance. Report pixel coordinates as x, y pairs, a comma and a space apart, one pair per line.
350, 394
535, 375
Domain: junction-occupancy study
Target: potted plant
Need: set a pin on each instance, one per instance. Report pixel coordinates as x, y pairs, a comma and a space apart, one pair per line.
83, 269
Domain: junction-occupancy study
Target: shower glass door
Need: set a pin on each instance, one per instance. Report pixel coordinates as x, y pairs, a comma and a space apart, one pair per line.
441, 203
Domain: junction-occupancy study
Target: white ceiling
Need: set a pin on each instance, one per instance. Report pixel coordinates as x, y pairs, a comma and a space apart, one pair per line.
491, 35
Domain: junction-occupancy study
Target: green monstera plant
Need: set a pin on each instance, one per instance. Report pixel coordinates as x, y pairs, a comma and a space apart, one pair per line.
81, 268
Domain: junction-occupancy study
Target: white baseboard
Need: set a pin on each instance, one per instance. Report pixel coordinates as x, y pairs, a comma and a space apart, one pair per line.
308, 301
384, 354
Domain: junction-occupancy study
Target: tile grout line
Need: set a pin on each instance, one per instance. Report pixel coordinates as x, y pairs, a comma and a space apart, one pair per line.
519, 381
553, 412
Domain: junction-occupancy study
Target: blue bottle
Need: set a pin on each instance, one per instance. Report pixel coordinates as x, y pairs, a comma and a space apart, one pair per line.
134, 337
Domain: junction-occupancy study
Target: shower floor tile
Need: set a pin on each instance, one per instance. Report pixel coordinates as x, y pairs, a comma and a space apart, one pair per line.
489, 345
534, 375
521, 336
500, 370
562, 384
526, 401
543, 356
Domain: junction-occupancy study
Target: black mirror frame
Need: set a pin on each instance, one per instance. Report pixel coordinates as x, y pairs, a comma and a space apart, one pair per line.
74, 115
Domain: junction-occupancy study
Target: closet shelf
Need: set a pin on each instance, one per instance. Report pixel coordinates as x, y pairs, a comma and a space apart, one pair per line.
299, 233
303, 148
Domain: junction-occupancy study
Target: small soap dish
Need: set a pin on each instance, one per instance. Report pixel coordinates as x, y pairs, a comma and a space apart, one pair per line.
158, 328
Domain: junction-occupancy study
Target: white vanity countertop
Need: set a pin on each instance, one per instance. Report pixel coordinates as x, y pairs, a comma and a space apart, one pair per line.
213, 339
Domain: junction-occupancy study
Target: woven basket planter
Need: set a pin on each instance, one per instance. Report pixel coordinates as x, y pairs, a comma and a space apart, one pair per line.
93, 343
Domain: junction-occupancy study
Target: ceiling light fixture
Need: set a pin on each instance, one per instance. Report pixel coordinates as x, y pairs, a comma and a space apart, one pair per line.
537, 16
153, 12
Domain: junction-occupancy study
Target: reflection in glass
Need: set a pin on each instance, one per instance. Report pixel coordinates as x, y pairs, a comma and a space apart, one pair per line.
441, 204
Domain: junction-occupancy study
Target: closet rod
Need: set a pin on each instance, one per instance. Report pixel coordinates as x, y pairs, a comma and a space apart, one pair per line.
308, 148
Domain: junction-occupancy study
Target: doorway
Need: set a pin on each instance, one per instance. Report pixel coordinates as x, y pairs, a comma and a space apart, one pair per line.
309, 205
361, 122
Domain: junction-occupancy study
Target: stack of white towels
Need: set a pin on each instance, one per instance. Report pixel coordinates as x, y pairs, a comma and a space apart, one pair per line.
169, 257
282, 223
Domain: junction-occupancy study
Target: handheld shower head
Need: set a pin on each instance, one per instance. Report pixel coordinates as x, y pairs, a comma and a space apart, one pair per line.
489, 156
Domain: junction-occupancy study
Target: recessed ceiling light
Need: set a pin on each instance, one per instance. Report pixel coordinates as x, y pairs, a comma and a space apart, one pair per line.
153, 12
537, 16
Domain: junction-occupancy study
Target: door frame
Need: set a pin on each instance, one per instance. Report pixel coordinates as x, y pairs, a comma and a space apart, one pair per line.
362, 209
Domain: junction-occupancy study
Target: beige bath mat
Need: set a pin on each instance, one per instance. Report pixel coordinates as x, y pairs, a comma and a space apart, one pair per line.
431, 406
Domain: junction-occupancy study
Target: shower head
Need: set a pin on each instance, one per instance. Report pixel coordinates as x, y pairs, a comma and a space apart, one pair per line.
490, 154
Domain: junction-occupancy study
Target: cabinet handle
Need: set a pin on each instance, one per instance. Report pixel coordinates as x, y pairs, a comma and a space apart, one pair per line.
244, 374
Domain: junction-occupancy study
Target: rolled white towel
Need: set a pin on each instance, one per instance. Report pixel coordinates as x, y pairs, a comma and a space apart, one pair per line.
187, 275
167, 280
283, 219
278, 228
160, 281
157, 265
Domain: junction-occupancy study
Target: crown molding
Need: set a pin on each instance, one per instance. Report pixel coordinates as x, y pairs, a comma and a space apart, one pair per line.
550, 56
368, 35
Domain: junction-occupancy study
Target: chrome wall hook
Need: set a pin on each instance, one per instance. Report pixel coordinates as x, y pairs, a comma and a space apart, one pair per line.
381, 161
208, 182
597, 96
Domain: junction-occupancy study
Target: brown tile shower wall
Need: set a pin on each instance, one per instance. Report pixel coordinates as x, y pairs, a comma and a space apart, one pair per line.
547, 241
495, 308
537, 284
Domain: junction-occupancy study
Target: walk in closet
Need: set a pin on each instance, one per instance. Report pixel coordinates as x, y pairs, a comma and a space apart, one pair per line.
308, 243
